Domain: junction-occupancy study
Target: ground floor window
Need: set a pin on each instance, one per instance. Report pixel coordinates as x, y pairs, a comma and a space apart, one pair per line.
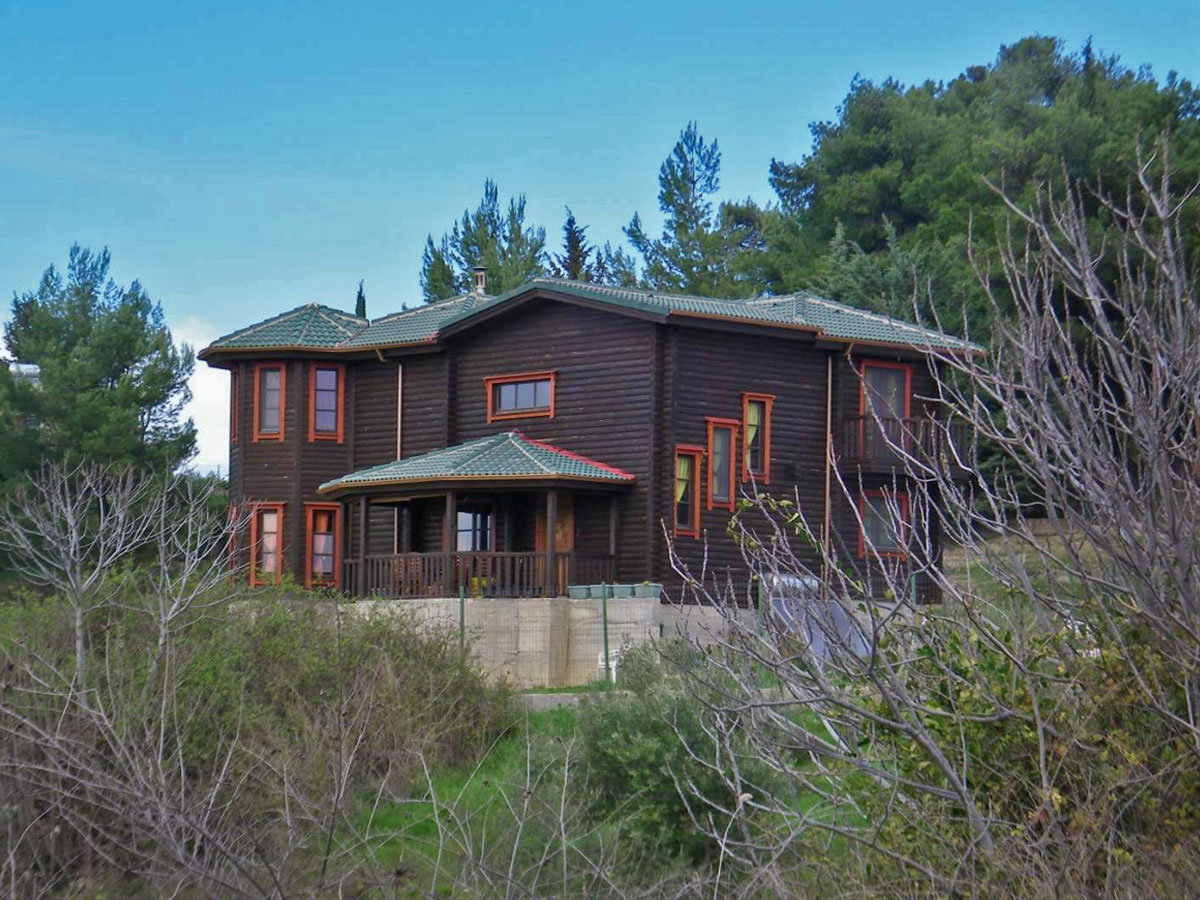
474, 530
884, 529
266, 544
322, 565
687, 491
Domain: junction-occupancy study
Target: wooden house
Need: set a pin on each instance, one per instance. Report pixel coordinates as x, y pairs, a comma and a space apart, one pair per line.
564, 433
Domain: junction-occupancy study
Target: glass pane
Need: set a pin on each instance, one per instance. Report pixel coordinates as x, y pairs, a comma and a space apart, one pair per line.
543, 394
327, 380
507, 394
720, 464
325, 420
322, 565
526, 395
885, 391
878, 526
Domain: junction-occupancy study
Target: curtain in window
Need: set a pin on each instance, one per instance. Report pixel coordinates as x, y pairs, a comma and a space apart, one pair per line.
683, 476
754, 411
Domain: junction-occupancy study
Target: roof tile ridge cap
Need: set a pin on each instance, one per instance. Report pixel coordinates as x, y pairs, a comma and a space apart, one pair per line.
325, 311
487, 443
579, 457
428, 304
879, 317
250, 329
513, 437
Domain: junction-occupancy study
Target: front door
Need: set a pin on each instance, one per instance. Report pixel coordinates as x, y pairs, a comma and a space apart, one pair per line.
885, 390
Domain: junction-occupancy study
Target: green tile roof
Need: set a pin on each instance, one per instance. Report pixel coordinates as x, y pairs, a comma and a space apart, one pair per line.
311, 325
321, 327
506, 455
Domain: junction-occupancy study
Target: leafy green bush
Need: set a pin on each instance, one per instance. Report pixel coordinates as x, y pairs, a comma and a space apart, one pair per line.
651, 762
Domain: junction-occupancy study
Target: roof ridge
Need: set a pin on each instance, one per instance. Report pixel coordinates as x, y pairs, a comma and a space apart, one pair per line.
577, 456
519, 445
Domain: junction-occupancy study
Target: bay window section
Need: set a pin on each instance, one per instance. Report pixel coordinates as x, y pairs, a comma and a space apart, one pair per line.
326, 391
687, 490
266, 544
722, 439
269, 392
322, 564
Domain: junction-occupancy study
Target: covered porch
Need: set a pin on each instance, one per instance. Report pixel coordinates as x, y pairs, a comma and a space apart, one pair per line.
503, 516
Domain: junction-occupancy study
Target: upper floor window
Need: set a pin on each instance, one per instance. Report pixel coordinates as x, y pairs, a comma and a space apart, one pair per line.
756, 437
687, 490
270, 388
526, 395
266, 543
326, 391
886, 390
323, 533
722, 439
884, 517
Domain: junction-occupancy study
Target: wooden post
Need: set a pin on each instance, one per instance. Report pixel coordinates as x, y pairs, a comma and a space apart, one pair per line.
449, 532
363, 525
551, 543
614, 515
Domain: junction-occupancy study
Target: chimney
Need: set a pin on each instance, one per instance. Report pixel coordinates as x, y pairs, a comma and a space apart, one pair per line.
480, 273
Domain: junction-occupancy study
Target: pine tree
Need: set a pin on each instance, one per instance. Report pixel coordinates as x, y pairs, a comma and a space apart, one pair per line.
573, 262
360, 302
113, 382
511, 251
699, 249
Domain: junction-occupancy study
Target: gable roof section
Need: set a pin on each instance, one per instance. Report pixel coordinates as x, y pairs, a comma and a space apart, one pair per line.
319, 327
499, 456
309, 326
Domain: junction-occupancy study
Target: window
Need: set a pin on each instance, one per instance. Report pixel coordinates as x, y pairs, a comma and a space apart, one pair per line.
326, 390
266, 544
884, 401
269, 390
322, 564
886, 390
527, 395
884, 523
687, 490
474, 530
722, 438
234, 405
756, 437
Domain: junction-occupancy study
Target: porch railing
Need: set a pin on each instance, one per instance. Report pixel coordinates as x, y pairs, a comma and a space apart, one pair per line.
882, 444
499, 574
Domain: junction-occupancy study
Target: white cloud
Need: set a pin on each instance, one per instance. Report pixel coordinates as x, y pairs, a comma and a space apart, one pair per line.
209, 406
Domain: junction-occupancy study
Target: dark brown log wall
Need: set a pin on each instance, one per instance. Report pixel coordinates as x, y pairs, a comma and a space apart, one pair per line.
604, 396
708, 372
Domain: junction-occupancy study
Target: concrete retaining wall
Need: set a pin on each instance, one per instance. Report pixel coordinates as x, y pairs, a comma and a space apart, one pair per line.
539, 642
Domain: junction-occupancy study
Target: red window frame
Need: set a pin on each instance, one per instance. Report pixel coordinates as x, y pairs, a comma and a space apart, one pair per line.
697, 455
715, 425
258, 510
310, 516
767, 400
259, 434
337, 435
491, 381
884, 364
234, 404
901, 498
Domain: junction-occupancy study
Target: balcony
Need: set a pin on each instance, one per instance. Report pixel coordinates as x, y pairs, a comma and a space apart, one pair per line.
480, 575
881, 445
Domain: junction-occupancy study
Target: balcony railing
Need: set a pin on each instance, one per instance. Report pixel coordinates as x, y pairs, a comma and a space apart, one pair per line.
882, 445
499, 574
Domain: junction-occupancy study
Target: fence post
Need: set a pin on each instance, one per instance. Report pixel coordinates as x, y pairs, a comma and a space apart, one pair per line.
604, 623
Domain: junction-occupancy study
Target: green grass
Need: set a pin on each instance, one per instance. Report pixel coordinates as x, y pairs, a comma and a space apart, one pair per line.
405, 833
592, 687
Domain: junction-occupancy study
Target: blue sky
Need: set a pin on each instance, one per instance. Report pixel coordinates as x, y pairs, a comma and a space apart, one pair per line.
243, 158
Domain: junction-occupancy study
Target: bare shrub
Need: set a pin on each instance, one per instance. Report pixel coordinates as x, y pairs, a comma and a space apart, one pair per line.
1036, 734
